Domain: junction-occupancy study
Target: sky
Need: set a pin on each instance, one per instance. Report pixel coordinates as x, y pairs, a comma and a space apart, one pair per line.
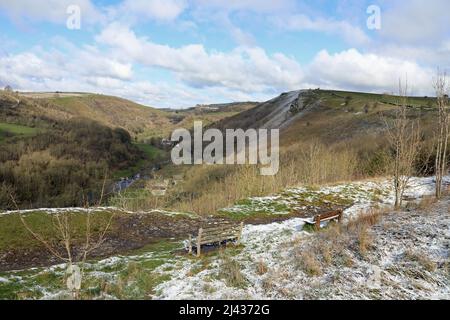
178, 53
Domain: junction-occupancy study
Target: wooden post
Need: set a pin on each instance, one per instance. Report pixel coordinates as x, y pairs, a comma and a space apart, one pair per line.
190, 244
317, 220
199, 241
341, 213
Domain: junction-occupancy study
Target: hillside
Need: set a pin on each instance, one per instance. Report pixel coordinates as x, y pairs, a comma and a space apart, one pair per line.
325, 137
218, 107
324, 114
138, 120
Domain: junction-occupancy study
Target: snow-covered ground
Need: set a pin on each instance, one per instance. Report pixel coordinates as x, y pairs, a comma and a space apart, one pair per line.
388, 271
271, 245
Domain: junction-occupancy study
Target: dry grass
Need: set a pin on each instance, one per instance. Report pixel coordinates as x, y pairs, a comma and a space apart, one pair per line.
261, 267
421, 259
209, 188
230, 271
310, 264
426, 202
138, 200
365, 240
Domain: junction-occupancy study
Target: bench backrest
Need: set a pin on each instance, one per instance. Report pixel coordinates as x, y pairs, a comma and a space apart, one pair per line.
328, 215
337, 214
216, 233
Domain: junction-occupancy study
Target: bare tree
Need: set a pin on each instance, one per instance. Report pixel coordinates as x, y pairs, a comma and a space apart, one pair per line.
405, 140
440, 85
63, 246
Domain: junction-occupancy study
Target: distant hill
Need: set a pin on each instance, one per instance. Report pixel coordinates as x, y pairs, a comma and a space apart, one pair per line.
140, 121
216, 108
111, 111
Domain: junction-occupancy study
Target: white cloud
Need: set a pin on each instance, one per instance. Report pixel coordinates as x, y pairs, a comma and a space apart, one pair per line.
53, 70
248, 69
416, 22
50, 10
88, 70
200, 77
260, 6
55, 11
164, 10
351, 69
344, 29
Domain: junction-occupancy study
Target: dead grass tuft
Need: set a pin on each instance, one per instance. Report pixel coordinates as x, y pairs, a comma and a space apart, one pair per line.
230, 271
261, 267
310, 264
365, 240
421, 259
426, 202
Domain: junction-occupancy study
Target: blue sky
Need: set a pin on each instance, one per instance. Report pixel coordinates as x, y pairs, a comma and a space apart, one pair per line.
177, 53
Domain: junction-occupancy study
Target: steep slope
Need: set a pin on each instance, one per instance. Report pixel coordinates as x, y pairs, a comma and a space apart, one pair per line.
269, 114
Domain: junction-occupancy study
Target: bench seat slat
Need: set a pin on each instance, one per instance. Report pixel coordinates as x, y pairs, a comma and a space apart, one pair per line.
219, 233
214, 229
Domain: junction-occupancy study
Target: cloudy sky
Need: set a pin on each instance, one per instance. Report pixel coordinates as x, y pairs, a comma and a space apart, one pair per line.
177, 53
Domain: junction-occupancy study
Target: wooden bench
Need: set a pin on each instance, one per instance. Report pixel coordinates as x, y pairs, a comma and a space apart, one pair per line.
215, 234
328, 216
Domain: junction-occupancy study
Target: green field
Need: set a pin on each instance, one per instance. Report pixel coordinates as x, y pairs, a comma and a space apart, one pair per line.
150, 151
13, 234
9, 129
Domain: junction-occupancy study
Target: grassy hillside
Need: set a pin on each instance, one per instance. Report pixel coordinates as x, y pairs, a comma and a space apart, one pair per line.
326, 136
140, 121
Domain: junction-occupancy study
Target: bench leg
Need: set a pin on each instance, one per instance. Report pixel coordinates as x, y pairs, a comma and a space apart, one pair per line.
317, 225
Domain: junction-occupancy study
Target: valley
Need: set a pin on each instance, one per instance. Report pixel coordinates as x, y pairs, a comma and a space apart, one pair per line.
333, 155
